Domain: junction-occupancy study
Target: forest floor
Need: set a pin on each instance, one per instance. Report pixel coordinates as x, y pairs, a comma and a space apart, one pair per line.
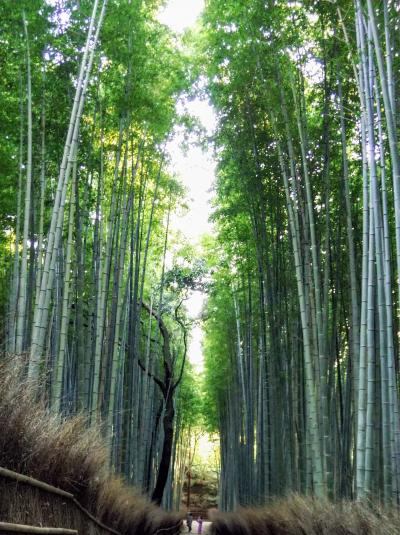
206, 527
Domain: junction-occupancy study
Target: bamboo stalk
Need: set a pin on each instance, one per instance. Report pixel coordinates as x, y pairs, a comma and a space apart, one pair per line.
16, 268
20, 343
57, 386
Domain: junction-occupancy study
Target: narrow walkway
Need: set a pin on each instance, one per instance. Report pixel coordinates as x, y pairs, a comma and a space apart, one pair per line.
195, 527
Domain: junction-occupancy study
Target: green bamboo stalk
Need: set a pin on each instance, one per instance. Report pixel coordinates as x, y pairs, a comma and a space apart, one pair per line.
21, 341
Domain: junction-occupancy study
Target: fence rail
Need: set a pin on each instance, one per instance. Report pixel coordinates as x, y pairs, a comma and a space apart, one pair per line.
34, 482
23, 528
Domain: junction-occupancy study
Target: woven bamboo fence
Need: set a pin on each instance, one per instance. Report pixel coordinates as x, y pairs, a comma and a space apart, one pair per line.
28, 505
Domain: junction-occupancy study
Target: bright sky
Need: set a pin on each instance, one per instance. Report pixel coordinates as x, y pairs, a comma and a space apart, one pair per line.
180, 14
195, 169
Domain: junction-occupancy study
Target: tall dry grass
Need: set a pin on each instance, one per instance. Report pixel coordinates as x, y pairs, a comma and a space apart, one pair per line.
306, 516
68, 455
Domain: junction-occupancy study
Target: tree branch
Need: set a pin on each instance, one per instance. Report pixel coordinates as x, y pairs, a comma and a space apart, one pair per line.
154, 377
183, 327
166, 349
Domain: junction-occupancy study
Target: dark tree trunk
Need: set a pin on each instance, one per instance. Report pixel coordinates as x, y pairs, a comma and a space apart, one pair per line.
168, 425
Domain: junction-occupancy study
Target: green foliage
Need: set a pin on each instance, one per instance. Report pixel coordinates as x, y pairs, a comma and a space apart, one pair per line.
184, 278
189, 400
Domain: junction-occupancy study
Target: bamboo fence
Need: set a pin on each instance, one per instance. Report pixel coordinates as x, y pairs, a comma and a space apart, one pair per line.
10, 527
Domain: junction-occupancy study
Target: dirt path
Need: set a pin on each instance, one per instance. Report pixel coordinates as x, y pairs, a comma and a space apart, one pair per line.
195, 527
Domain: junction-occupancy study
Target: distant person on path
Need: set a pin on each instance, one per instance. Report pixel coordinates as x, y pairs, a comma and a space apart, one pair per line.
189, 521
200, 523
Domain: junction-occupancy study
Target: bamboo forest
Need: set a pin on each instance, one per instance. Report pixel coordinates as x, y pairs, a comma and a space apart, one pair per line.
200, 266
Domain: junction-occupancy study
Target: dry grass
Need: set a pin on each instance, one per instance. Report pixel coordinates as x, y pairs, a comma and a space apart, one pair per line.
306, 516
66, 454
61, 452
